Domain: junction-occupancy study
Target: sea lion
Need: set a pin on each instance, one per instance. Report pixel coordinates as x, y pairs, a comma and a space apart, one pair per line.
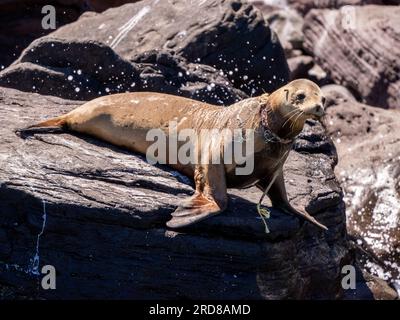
276, 119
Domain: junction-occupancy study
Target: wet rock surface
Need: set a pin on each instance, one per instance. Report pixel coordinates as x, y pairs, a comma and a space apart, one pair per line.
369, 287
85, 70
228, 35
98, 215
368, 144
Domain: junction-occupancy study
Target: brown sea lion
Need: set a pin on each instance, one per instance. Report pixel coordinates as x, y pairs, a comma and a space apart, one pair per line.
276, 119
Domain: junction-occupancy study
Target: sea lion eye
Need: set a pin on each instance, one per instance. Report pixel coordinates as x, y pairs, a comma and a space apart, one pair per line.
323, 100
301, 96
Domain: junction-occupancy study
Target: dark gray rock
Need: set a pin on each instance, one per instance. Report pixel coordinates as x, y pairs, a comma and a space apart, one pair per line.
299, 66
97, 213
21, 21
318, 75
229, 35
86, 70
287, 23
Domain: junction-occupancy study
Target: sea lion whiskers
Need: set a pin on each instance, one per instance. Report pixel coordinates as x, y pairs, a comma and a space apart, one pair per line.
295, 121
291, 114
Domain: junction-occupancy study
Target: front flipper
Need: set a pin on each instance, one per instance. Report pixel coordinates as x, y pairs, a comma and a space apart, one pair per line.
209, 199
277, 194
289, 209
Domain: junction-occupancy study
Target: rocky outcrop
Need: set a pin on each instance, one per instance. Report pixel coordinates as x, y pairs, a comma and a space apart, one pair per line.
304, 6
368, 145
84, 70
359, 48
97, 214
21, 21
191, 56
300, 66
287, 24
230, 36
369, 287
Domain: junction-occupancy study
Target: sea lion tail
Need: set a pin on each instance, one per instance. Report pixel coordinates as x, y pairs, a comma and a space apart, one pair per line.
54, 125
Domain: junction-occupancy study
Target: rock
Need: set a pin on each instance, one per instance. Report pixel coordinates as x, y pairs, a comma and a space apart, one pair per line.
380, 289
359, 48
48, 63
228, 35
369, 287
318, 75
288, 25
21, 21
97, 214
101, 5
299, 66
368, 145
162, 72
84, 70
304, 6
336, 94
304, 67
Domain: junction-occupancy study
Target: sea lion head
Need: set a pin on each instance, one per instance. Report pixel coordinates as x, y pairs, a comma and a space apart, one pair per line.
287, 108
300, 97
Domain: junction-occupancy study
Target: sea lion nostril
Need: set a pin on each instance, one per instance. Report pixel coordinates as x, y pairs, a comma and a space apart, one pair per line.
318, 109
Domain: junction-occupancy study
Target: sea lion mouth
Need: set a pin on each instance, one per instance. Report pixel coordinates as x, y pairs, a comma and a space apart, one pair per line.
313, 116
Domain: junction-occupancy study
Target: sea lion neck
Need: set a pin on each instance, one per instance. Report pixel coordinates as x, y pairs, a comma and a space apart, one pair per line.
274, 120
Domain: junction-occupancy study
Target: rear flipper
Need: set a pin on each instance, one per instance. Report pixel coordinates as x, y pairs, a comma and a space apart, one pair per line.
209, 199
55, 125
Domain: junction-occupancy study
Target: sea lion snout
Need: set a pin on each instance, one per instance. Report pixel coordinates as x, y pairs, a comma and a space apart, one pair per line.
316, 110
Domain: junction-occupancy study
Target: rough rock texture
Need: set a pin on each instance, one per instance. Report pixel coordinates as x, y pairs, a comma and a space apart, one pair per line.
299, 66
304, 67
368, 145
101, 5
304, 6
318, 75
21, 21
84, 70
359, 48
98, 213
287, 24
369, 287
216, 37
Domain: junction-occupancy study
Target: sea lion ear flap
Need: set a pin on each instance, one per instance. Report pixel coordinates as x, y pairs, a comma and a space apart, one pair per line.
287, 94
